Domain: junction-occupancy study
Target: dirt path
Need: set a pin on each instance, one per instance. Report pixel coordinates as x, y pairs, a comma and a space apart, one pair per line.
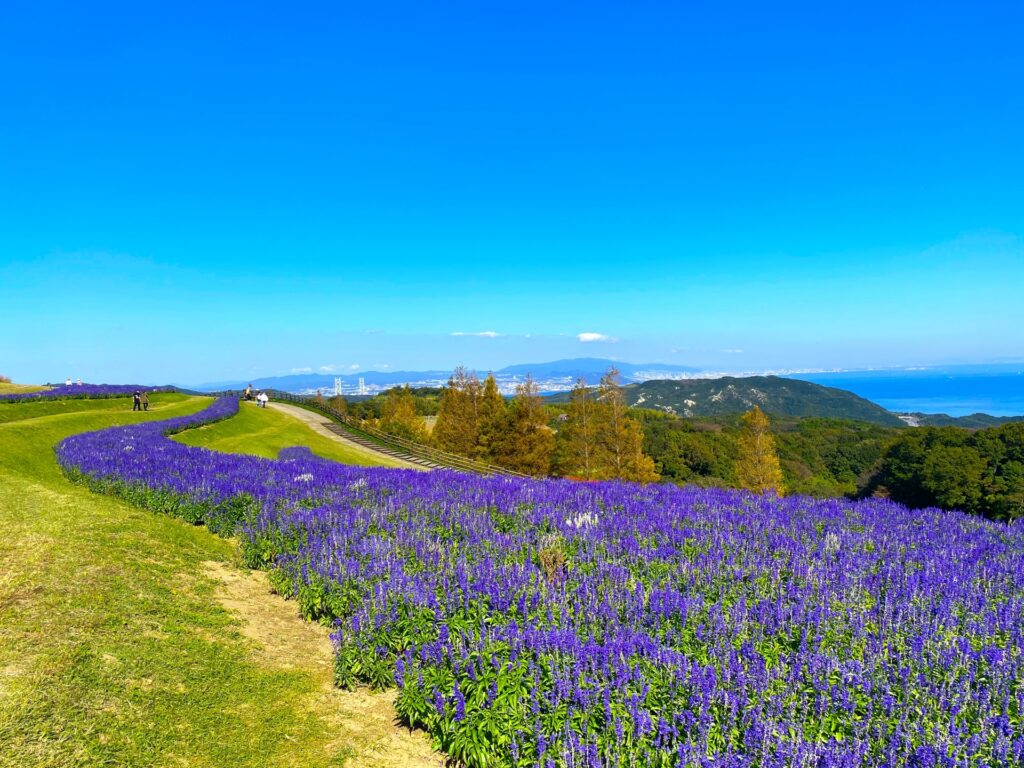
363, 723
316, 423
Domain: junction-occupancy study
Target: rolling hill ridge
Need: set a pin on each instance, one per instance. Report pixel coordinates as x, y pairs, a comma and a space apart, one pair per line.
727, 395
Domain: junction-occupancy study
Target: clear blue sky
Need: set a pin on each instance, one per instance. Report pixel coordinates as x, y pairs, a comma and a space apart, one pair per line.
191, 193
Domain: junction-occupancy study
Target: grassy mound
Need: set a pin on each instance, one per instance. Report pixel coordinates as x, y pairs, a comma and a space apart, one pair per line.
264, 432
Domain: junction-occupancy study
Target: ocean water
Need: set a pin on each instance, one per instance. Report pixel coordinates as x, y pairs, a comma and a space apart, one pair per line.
953, 391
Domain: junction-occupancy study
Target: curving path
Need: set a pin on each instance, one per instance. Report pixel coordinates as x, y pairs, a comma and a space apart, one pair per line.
319, 424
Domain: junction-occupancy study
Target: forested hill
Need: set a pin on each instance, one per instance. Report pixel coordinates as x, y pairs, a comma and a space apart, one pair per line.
974, 421
784, 397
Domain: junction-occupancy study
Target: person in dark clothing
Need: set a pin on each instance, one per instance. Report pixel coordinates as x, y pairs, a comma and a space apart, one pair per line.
145, 400
137, 401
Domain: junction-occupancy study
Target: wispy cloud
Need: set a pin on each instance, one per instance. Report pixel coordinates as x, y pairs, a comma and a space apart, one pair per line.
589, 337
484, 334
733, 351
302, 370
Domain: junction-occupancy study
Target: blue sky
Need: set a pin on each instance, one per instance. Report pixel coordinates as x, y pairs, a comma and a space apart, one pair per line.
191, 194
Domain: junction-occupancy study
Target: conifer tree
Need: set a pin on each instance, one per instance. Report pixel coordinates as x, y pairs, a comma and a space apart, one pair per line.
757, 468
493, 421
399, 416
620, 438
529, 443
457, 428
578, 437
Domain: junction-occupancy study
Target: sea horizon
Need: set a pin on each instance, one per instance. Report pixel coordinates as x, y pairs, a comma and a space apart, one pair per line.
954, 392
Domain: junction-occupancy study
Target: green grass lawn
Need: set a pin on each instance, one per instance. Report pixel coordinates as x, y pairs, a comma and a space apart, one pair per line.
7, 388
36, 409
113, 648
264, 432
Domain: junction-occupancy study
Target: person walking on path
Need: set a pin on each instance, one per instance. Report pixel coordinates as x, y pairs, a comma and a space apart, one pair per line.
136, 401
261, 399
145, 400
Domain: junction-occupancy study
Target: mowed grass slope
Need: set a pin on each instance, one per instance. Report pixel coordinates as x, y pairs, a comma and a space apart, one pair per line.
114, 649
264, 432
7, 388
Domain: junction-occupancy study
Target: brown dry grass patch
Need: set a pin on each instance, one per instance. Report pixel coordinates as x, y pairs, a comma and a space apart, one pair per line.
362, 723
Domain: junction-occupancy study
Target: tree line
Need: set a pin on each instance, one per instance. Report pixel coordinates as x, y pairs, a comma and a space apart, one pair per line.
594, 439
595, 436
980, 472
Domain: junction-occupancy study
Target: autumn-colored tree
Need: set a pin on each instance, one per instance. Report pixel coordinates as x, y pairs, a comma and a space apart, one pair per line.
338, 403
399, 417
619, 438
493, 421
528, 441
757, 468
457, 428
577, 438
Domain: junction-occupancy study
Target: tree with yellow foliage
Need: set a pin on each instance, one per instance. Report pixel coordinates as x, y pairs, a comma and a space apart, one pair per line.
577, 437
619, 439
399, 416
528, 442
493, 421
457, 428
757, 468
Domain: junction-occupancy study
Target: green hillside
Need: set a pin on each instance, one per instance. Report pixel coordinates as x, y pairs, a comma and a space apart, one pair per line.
132, 639
782, 397
265, 431
974, 421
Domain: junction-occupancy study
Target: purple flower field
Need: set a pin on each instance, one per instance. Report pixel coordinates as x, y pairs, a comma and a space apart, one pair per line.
64, 392
555, 623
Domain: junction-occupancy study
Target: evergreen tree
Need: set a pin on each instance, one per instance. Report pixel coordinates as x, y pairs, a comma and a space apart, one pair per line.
578, 436
457, 428
493, 421
399, 417
620, 439
757, 468
529, 443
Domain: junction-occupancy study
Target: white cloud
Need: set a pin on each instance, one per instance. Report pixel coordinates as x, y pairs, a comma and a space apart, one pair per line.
302, 370
733, 351
484, 334
353, 367
589, 337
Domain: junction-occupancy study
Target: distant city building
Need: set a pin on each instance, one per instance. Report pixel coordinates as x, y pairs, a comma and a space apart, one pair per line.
362, 386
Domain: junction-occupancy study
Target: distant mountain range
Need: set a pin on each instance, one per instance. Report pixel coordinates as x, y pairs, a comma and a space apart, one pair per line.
668, 388
555, 376
593, 368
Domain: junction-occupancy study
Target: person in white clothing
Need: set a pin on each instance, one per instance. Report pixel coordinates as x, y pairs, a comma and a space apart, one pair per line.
262, 399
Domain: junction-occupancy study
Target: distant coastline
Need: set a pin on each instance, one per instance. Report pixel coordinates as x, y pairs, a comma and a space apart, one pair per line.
952, 391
